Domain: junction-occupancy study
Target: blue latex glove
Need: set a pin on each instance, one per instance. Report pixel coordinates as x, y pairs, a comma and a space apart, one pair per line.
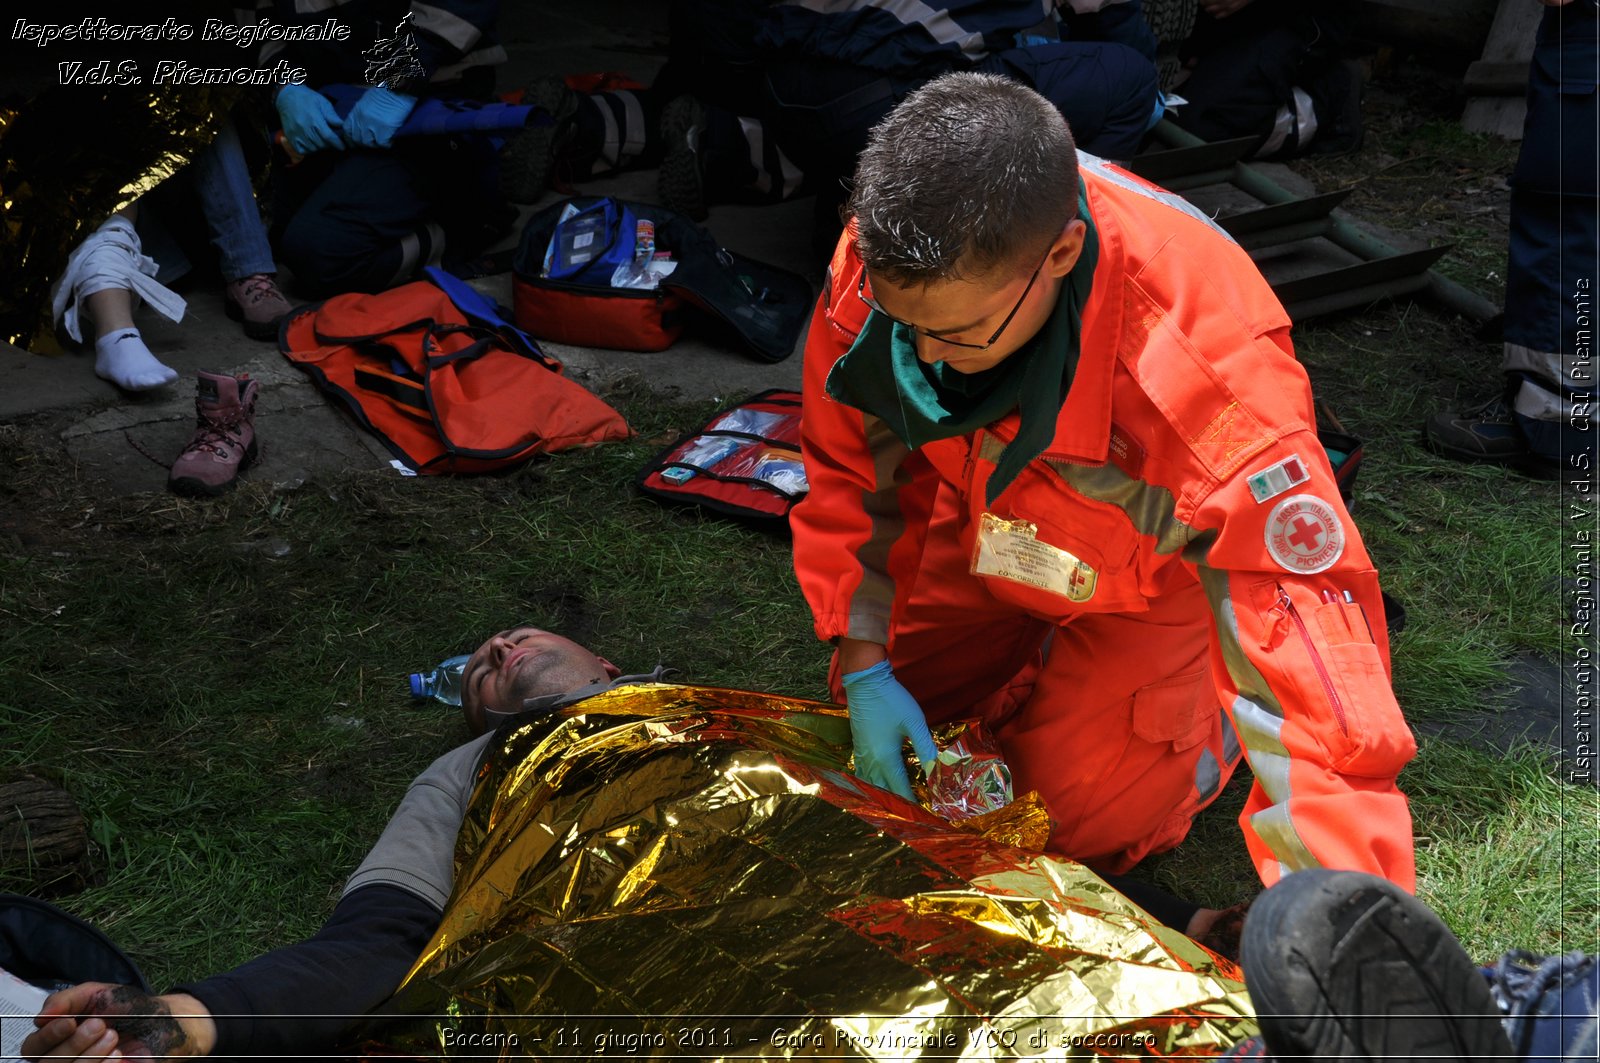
882, 715
376, 115
309, 120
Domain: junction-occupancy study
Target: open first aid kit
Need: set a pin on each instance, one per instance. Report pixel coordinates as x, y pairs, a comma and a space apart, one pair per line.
603, 272
745, 462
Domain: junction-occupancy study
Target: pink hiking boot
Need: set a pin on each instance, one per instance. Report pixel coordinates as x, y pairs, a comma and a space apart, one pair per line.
224, 439
256, 302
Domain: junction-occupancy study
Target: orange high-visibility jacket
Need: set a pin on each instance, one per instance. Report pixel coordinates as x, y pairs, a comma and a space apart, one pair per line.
1185, 451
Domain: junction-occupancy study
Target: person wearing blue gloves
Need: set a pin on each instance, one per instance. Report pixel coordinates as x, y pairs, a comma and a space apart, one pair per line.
1028, 506
310, 124
364, 210
376, 115
883, 715
1339, 965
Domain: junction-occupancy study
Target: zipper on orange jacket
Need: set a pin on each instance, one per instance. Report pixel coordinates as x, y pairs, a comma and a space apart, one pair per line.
1009, 435
1287, 605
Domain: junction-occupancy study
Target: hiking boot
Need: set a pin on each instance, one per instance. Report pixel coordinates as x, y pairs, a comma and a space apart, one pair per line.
1487, 433
680, 184
528, 157
224, 440
1550, 1004
1344, 965
1335, 92
257, 302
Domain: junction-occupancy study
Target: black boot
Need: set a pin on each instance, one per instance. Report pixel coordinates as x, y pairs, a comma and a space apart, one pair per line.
1343, 965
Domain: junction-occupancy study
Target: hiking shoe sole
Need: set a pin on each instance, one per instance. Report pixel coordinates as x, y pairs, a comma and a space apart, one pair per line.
1342, 965
528, 157
679, 184
1524, 461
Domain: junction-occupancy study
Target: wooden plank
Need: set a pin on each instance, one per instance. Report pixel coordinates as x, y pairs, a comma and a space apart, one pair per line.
1511, 35
1160, 166
1263, 219
1510, 42
1488, 77
1377, 272
1458, 27
1500, 116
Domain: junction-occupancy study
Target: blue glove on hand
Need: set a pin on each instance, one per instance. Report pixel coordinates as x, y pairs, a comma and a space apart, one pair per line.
376, 115
309, 120
883, 714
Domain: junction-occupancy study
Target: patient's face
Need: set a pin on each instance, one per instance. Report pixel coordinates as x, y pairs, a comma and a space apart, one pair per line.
522, 663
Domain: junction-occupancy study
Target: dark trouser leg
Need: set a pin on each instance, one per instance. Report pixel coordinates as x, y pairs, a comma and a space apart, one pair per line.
1550, 310
744, 162
612, 131
1119, 23
1106, 92
1554, 261
821, 113
378, 217
1172, 911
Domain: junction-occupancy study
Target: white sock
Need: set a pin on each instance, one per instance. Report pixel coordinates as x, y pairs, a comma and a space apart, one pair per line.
121, 357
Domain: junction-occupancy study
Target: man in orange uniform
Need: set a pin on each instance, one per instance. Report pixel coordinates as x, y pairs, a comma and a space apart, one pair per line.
1065, 477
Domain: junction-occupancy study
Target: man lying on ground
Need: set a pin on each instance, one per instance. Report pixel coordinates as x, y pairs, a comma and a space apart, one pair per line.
615, 857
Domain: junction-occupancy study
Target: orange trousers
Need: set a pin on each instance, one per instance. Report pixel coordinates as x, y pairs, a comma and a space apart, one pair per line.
1111, 717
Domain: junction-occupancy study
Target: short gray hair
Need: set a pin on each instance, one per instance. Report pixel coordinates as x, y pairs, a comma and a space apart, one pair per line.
970, 172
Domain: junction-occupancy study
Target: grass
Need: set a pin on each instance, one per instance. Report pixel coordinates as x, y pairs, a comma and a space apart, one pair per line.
221, 684
234, 724
1504, 854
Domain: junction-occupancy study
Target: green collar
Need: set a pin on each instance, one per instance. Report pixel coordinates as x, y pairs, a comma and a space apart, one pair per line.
881, 375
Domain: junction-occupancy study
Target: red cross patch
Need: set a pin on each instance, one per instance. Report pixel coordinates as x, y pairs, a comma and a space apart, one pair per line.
1304, 534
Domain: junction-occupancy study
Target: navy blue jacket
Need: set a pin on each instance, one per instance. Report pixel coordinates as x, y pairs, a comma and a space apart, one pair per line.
901, 38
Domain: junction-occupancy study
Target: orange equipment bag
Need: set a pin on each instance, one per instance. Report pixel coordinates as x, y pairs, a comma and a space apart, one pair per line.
434, 371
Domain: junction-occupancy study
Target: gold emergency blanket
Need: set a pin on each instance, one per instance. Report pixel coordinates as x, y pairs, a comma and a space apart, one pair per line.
69, 157
670, 871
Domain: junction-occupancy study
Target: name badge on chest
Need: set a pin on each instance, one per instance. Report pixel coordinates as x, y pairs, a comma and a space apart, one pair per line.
1010, 549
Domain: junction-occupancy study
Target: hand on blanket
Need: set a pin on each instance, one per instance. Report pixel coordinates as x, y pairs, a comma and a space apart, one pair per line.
882, 715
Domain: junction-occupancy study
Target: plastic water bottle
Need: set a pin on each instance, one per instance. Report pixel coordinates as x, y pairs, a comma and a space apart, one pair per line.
636, 273
443, 683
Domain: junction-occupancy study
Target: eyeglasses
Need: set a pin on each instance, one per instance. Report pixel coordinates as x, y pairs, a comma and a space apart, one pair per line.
872, 304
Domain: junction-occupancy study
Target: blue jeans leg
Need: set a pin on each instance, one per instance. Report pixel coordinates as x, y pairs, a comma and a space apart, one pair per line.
1551, 1004
222, 181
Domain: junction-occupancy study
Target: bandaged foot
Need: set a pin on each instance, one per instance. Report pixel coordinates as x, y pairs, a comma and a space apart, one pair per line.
121, 357
111, 258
